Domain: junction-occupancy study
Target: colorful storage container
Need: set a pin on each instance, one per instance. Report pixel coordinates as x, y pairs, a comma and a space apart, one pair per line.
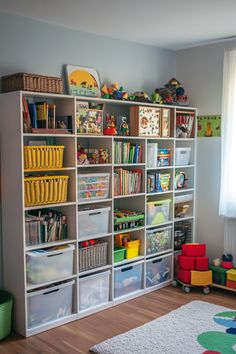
186, 263
132, 248
219, 274
158, 212
43, 156
158, 270
231, 284
194, 250
119, 254
158, 240
45, 190
202, 263
231, 274
201, 278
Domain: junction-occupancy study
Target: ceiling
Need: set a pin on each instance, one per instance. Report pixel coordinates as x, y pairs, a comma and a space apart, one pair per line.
164, 23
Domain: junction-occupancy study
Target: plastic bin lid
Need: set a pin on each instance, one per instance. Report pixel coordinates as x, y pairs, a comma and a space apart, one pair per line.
50, 288
85, 175
159, 202
96, 208
51, 250
151, 231
87, 277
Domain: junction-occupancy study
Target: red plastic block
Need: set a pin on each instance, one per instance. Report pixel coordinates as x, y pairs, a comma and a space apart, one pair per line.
202, 263
227, 265
194, 249
231, 284
184, 275
187, 263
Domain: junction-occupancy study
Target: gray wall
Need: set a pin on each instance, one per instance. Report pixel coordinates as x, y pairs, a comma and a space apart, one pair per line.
200, 70
36, 47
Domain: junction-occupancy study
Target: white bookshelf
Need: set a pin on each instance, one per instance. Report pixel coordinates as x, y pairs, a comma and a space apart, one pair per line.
13, 210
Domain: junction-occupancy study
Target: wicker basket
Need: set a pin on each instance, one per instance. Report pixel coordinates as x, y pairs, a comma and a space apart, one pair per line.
43, 157
93, 256
45, 190
31, 82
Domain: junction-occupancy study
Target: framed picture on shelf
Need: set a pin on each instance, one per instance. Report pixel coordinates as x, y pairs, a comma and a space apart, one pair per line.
82, 81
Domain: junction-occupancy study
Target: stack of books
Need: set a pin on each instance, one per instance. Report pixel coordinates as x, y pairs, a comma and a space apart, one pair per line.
125, 152
127, 181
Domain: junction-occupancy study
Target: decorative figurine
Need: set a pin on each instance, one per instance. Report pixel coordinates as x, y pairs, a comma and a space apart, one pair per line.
122, 126
110, 125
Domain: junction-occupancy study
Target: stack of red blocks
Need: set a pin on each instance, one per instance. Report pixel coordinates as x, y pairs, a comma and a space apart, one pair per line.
193, 265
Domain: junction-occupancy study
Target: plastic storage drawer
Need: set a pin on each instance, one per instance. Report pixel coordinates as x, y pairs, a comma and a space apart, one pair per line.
128, 279
158, 240
49, 304
49, 264
93, 221
93, 186
182, 156
94, 290
158, 270
158, 212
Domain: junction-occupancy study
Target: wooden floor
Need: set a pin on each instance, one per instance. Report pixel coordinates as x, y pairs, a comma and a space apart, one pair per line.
79, 336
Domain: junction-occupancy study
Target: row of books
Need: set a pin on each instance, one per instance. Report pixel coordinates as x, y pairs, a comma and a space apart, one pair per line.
42, 115
45, 226
158, 182
127, 181
125, 152
184, 124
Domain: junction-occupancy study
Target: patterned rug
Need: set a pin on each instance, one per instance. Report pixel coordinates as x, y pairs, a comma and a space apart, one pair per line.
198, 327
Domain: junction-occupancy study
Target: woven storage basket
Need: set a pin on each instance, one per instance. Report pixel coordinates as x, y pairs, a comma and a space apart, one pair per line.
93, 256
43, 156
31, 82
45, 190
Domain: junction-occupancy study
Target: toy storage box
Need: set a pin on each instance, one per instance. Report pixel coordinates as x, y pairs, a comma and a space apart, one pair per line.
49, 304
93, 221
158, 270
194, 250
49, 264
158, 240
219, 274
184, 275
93, 186
158, 212
182, 156
94, 290
186, 263
128, 279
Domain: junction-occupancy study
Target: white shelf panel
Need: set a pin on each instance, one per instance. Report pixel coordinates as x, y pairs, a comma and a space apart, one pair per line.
128, 261
184, 190
95, 201
129, 164
157, 225
129, 195
95, 270
36, 286
50, 244
88, 136
49, 206
50, 169
159, 193
95, 165
159, 168
148, 256
185, 139
184, 218
50, 135
184, 166
129, 230
93, 237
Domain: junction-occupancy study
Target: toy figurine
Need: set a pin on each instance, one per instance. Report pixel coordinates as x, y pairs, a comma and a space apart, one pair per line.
173, 93
114, 92
156, 98
110, 125
122, 126
82, 158
140, 96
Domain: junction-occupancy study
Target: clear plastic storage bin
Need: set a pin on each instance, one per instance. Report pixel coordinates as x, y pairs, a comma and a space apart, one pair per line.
158, 212
128, 279
158, 270
93, 221
158, 240
49, 304
49, 264
182, 156
93, 186
94, 290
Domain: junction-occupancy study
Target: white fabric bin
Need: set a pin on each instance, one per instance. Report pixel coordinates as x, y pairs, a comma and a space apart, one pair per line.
93, 221
49, 264
49, 304
94, 290
182, 156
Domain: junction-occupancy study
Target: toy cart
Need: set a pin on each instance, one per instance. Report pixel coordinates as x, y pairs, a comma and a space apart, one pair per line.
187, 287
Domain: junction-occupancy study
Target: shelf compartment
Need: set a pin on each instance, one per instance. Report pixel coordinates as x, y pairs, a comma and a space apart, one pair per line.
50, 244
93, 186
93, 221
128, 279
94, 151
158, 270
128, 261
94, 290
158, 211
49, 304
158, 240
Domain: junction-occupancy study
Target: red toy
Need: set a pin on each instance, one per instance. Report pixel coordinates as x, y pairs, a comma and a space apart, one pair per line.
194, 250
184, 276
110, 125
186, 263
202, 263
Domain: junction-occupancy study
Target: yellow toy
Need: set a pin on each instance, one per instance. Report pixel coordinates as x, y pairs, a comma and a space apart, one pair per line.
201, 278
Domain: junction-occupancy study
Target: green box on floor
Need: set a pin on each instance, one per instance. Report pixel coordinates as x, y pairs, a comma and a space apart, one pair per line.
219, 275
119, 254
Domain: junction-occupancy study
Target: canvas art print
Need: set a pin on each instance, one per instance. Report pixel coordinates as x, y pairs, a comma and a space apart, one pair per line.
209, 126
149, 121
82, 81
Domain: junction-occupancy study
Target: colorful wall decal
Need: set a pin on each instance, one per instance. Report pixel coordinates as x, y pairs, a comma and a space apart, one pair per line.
209, 126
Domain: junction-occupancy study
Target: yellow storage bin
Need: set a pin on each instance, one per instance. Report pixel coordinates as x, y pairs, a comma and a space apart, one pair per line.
231, 274
201, 278
132, 249
43, 156
45, 190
